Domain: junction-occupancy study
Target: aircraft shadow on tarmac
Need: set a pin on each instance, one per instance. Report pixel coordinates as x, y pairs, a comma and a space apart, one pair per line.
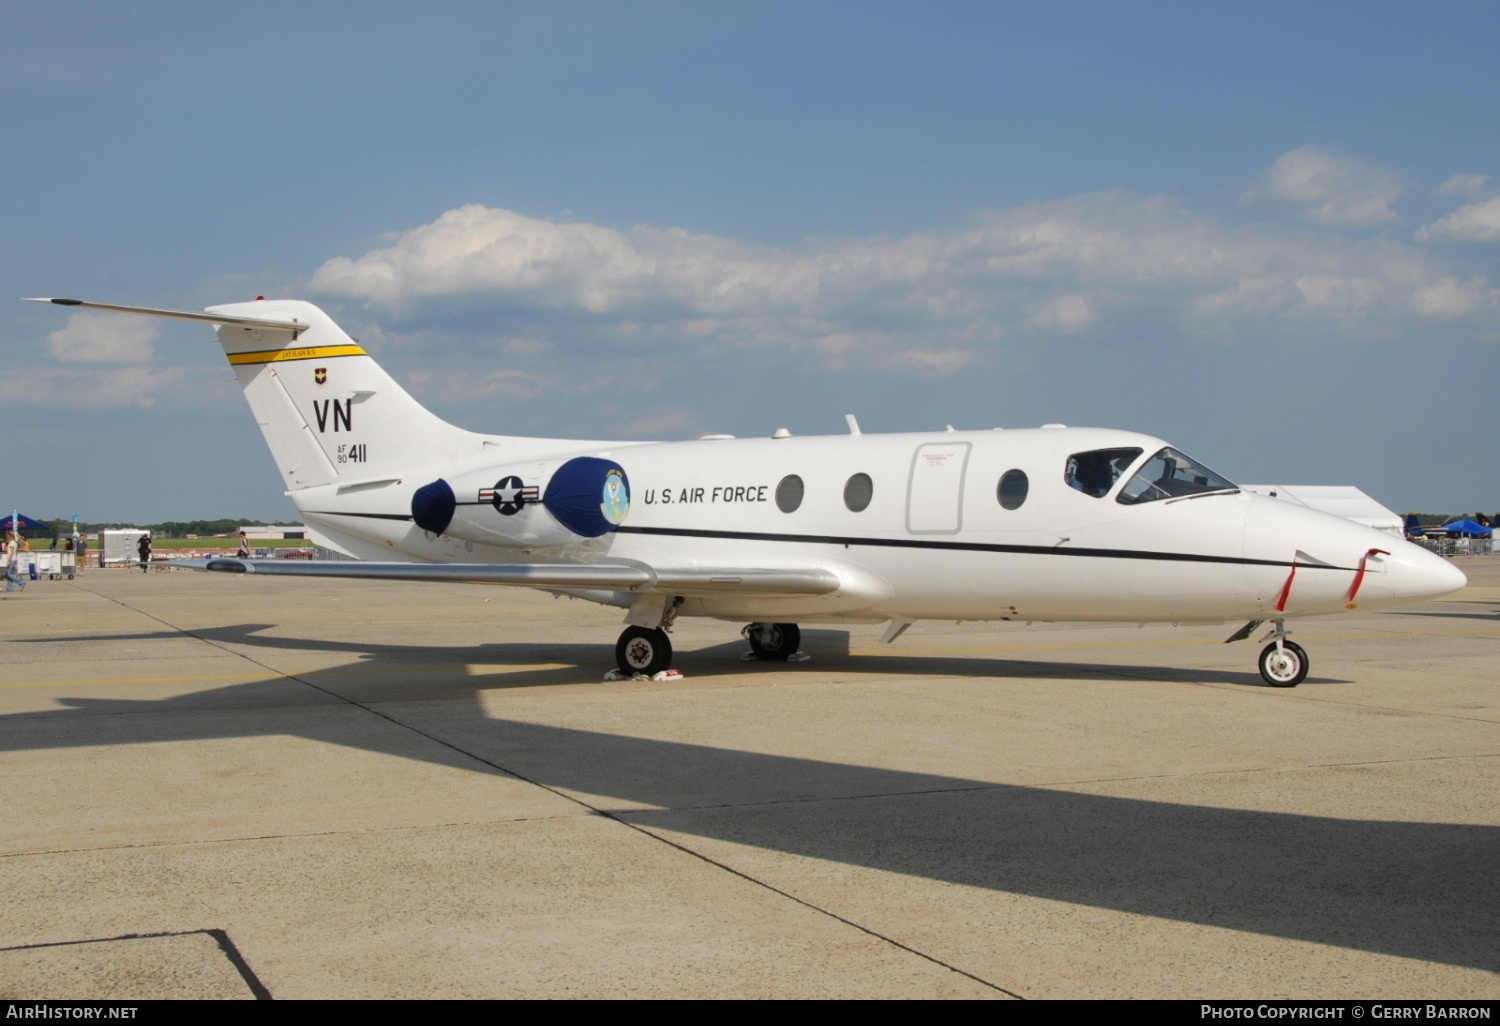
560, 663
1426, 891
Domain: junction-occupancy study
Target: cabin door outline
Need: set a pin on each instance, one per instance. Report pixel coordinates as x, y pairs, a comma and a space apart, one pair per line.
935, 487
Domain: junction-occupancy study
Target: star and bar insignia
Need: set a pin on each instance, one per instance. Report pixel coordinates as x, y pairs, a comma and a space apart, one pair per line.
509, 495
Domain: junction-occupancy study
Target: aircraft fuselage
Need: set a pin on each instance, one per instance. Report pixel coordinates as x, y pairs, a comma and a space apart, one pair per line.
935, 540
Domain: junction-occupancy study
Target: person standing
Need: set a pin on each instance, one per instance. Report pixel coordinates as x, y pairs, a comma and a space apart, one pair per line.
144, 548
30, 562
244, 552
80, 552
12, 576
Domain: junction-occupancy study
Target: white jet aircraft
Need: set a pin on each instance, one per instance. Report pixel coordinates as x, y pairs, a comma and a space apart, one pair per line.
1052, 523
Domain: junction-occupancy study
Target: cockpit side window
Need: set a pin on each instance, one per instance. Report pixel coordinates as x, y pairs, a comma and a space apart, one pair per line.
1095, 473
1171, 475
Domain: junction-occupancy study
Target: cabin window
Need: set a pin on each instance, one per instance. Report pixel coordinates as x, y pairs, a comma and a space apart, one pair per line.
1095, 473
858, 491
1012, 489
1171, 475
789, 493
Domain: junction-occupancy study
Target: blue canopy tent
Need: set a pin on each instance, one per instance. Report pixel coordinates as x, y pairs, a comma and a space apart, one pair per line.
21, 522
1465, 527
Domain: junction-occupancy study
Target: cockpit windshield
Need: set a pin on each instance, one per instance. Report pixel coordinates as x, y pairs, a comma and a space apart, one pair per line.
1171, 475
1095, 473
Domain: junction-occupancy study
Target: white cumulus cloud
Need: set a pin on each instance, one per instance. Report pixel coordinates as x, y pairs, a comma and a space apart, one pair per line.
1452, 298
1332, 189
104, 338
98, 388
1466, 186
930, 304
1067, 313
480, 248
1477, 222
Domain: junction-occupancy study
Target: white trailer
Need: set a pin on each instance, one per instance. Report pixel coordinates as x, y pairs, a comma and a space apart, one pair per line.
119, 547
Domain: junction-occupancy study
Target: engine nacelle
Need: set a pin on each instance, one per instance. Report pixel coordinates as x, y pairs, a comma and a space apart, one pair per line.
535, 504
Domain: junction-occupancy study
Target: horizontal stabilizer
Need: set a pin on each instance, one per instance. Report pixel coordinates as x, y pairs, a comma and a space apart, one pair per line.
180, 315
638, 577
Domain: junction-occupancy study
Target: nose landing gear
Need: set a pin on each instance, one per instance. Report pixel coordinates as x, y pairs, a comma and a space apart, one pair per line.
1283, 663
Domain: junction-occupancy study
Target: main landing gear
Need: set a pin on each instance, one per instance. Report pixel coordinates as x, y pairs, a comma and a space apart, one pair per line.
1283, 663
647, 651
773, 642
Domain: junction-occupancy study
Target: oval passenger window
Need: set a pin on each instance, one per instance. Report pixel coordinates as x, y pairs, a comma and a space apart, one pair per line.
789, 493
858, 491
1012, 489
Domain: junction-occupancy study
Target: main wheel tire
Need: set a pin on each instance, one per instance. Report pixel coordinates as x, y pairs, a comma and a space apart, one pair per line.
643, 650
774, 642
1283, 666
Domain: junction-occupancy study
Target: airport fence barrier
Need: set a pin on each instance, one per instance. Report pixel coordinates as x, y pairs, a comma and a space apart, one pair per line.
1458, 546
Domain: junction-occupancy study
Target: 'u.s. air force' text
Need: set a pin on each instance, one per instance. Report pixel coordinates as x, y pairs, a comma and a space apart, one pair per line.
719, 493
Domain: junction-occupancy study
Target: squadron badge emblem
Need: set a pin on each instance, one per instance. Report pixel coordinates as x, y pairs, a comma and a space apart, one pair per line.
616, 497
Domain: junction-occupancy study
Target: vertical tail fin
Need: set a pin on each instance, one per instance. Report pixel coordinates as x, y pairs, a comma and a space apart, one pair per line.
326, 409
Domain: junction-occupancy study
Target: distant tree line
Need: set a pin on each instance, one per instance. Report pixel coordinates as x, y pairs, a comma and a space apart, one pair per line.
166, 529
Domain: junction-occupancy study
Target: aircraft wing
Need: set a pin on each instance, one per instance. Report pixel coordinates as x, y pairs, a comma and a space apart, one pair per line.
636, 577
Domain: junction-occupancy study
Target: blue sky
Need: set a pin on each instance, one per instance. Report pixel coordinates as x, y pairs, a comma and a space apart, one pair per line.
1266, 232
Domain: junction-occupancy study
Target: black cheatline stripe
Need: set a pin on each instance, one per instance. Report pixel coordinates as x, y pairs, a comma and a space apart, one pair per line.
367, 516
919, 543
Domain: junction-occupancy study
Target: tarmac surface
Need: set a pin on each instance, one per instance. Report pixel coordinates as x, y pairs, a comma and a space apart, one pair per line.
236, 787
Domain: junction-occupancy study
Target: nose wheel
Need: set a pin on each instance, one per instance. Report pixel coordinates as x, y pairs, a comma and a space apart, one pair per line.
644, 650
1283, 664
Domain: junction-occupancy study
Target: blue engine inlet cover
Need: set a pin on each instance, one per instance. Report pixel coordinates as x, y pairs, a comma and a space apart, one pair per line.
432, 506
588, 496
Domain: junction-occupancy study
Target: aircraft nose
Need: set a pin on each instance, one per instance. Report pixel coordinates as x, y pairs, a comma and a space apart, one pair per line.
1416, 573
